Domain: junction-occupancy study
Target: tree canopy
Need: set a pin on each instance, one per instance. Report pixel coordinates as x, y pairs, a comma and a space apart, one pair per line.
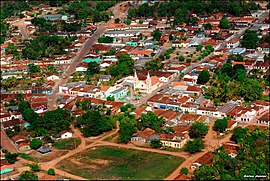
11, 157
224, 23
250, 39
230, 82
221, 125
194, 146
182, 10
150, 120
123, 67
94, 123
198, 130
204, 77
252, 158
128, 127
35, 143
45, 46
27, 175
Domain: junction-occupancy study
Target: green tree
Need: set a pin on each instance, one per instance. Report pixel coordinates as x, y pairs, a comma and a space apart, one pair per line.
128, 22
33, 68
204, 77
250, 39
51, 171
155, 143
198, 130
110, 98
239, 134
199, 47
11, 158
150, 120
221, 125
106, 39
203, 173
208, 26
117, 20
156, 35
194, 146
124, 66
94, 123
250, 90
93, 68
224, 23
35, 144
127, 129
34, 167
154, 65
184, 171
23, 106
27, 175
188, 60
268, 6
181, 58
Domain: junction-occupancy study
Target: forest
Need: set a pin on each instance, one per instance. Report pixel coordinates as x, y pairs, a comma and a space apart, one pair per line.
181, 10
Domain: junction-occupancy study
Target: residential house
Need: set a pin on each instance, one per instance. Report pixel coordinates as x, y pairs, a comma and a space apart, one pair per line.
116, 92
82, 67
231, 125
6, 167
207, 159
44, 150
231, 148
265, 119
65, 134
144, 136
248, 113
177, 139
53, 77
121, 33
11, 124
181, 43
233, 43
23, 145
210, 111
104, 78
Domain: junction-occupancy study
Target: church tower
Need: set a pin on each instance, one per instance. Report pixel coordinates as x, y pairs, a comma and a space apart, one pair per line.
148, 83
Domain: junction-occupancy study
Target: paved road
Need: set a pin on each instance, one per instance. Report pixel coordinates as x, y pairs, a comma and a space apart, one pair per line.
80, 55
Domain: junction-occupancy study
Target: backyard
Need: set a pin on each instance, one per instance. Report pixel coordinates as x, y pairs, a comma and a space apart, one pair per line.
121, 164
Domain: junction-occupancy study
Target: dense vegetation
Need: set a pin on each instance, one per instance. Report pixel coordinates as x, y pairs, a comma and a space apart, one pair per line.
13, 8
45, 46
94, 10
181, 10
252, 158
50, 124
123, 67
154, 65
230, 82
44, 25
95, 122
250, 39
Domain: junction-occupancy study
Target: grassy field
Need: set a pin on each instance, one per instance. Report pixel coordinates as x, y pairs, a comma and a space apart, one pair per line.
120, 164
67, 144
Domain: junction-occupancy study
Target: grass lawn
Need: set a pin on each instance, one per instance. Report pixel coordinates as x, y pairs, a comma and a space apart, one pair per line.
120, 164
67, 144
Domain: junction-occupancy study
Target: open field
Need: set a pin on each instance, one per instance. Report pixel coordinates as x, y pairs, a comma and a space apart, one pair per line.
67, 144
116, 163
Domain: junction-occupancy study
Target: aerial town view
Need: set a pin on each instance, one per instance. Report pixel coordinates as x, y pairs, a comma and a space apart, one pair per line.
135, 90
